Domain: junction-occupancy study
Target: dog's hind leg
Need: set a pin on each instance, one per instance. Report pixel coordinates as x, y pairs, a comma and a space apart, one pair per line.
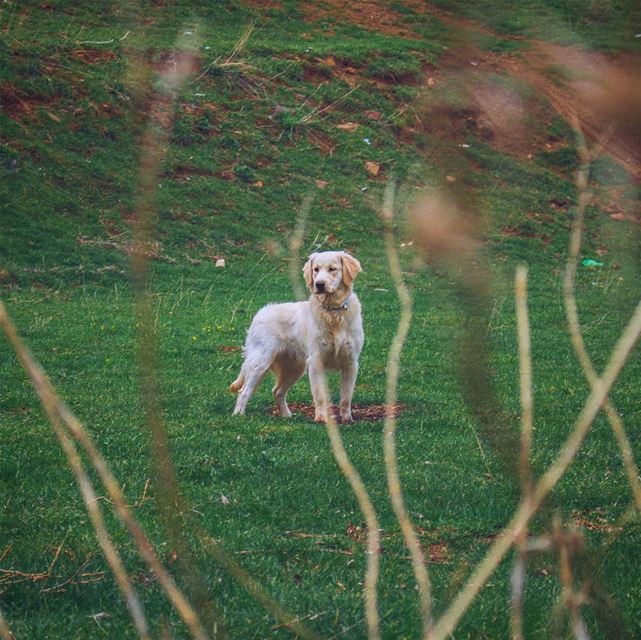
287, 373
251, 374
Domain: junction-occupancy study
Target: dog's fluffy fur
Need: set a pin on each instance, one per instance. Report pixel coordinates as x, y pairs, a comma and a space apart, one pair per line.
325, 332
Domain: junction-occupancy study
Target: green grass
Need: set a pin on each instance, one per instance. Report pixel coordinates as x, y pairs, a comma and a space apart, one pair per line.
247, 146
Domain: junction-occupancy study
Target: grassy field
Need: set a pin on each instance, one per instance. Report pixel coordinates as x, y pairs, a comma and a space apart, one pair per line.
331, 108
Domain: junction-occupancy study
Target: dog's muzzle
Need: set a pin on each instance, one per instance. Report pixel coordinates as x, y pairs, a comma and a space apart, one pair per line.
320, 287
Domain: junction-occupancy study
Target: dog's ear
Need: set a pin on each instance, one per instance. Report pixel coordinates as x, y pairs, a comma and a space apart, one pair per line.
307, 271
351, 268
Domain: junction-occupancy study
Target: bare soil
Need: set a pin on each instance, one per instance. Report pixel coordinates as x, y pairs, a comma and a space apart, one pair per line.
360, 412
599, 93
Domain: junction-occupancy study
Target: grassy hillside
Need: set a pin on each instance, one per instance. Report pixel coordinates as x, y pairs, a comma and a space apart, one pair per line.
287, 103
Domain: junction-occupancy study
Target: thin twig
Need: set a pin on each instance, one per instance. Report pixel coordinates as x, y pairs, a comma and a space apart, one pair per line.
571, 598
572, 315
5, 631
517, 586
525, 376
448, 621
172, 505
51, 406
229, 62
315, 112
172, 508
389, 432
295, 244
527, 427
373, 538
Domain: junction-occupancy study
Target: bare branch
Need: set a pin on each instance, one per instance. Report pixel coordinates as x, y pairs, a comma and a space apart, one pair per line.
51, 405
447, 623
373, 538
572, 314
5, 631
527, 427
295, 244
389, 433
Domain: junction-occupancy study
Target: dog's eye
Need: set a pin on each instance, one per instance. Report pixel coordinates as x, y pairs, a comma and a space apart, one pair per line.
332, 269
316, 269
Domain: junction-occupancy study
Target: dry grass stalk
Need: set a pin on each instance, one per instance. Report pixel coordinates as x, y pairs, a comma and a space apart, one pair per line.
517, 586
171, 505
295, 245
572, 600
517, 525
527, 429
231, 62
347, 468
373, 536
52, 406
5, 631
525, 377
319, 110
572, 315
241, 43
389, 433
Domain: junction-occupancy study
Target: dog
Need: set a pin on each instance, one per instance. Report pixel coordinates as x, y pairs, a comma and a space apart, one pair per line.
322, 333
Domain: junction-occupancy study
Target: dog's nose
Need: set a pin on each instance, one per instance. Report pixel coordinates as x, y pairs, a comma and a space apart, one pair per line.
320, 287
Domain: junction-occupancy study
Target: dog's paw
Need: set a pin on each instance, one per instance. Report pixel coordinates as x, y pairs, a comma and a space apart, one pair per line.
346, 418
320, 417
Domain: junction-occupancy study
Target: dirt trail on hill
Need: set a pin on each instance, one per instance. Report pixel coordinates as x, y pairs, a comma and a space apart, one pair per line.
601, 93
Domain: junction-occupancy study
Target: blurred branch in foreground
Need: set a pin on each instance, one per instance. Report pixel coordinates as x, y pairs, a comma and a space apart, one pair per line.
389, 433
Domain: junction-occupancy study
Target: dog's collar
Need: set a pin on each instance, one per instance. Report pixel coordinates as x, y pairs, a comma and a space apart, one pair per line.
343, 307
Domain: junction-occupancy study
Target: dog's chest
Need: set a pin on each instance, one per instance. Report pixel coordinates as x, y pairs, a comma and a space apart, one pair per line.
340, 342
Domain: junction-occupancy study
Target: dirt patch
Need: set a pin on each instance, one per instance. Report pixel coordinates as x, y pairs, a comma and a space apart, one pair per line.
93, 56
599, 92
439, 553
18, 104
594, 521
360, 412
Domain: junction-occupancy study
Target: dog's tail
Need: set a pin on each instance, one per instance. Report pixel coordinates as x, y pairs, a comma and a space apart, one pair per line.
237, 384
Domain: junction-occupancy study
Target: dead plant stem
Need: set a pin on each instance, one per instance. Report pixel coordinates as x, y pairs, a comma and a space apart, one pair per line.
448, 621
572, 314
295, 244
389, 432
519, 570
51, 405
373, 537
5, 631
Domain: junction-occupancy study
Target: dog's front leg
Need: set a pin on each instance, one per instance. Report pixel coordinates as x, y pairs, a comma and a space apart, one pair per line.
348, 381
318, 383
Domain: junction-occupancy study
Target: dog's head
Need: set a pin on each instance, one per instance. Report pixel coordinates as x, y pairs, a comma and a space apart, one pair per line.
330, 271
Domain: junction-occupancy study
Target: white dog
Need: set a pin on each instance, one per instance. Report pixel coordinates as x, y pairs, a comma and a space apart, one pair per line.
325, 332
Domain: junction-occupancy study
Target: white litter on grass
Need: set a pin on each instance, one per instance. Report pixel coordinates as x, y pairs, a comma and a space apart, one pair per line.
220, 263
